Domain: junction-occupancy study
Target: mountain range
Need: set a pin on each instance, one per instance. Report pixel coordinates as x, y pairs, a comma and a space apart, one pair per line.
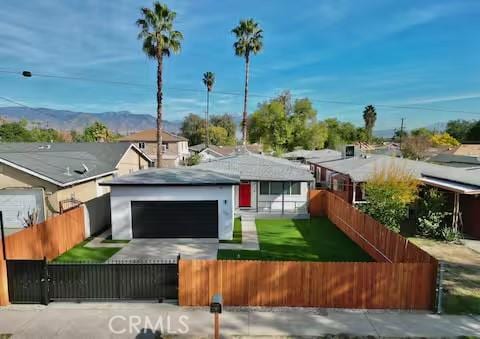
123, 122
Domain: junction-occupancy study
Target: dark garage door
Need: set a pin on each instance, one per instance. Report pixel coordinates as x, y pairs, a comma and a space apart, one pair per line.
175, 219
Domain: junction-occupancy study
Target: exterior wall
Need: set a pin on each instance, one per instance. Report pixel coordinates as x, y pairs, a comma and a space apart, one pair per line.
132, 161
470, 207
178, 149
122, 196
347, 192
273, 203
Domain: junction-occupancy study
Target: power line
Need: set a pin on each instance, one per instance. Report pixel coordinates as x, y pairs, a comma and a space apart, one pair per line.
240, 94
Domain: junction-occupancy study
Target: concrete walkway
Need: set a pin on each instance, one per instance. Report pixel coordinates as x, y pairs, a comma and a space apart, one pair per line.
474, 245
249, 236
96, 242
127, 320
167, 249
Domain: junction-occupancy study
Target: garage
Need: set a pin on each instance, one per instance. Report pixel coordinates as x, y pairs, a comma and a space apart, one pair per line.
168, 203
167, 219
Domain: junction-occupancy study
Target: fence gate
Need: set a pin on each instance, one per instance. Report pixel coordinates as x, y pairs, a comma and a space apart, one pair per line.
36, 281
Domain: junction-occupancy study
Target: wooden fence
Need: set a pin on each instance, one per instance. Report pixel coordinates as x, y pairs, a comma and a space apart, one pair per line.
48, 239
404, 276
374, 238
307, 284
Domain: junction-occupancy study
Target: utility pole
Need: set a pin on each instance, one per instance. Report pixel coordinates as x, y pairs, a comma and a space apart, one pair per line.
401, 133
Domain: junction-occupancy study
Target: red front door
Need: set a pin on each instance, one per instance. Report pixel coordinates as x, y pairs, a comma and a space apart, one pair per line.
244, 195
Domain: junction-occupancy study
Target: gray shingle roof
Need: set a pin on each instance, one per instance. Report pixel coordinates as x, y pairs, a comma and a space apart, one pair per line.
359, 168
176, 176
259, 167
318, 155
62, 163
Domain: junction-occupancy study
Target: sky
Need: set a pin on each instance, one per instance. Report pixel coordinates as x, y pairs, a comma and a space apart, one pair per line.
417, 54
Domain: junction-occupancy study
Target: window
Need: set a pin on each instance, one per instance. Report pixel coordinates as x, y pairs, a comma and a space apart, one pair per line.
264, 187
276, 187
295, 188
141, 145
164, 148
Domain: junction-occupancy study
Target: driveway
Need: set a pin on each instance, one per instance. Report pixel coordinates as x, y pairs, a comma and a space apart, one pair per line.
167, 249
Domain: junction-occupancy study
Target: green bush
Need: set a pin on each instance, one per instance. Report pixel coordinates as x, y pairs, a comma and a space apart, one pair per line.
433, 216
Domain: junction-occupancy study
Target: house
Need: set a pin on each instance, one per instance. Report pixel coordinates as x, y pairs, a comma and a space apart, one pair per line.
173, 203
47, 177
175, 148
213, 152
465, 155
345, 178
303, 156
267, 184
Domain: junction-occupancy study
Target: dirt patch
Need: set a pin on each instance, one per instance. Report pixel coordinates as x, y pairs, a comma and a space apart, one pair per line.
462, 274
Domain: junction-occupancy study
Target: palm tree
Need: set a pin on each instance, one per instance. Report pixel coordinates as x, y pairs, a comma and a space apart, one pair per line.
249, 40
208, 81
369, 116
159, 40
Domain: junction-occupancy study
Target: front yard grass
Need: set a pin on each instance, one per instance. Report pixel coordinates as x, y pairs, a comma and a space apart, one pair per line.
237, 233
461, 278
316, 239
79, 253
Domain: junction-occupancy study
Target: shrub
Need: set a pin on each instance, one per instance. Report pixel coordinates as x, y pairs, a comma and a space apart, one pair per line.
390, 190
194, 159
444, 139
433, 216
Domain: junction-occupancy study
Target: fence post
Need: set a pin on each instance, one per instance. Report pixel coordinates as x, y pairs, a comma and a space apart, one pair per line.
45, 282
439, 290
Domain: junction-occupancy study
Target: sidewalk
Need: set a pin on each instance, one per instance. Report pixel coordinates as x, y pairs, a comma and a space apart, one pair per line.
249, 236
126, 320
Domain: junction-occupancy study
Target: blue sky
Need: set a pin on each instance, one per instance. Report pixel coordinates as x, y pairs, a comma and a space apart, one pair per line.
415, 53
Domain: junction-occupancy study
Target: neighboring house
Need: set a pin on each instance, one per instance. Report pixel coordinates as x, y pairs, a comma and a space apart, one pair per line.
173, 203
43, 177
268, 184
465, 155
345, 178
175, 148
213, 152
304, 155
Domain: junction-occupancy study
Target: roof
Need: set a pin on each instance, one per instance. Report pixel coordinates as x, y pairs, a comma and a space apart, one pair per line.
65, 163
150, 135
175, 177
227, 150
319, 155
360, 169
252, 166
456, 160
468, 149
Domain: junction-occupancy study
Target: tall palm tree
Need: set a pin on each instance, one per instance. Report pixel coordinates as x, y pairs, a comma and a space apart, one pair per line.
159, 40
249, 40
208, 81
369, 116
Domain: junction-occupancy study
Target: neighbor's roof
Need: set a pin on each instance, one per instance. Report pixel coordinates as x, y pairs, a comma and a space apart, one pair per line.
150, 135
361, 168
252, 166
319, 155
227, 150
175, 177
468, 149
63, 163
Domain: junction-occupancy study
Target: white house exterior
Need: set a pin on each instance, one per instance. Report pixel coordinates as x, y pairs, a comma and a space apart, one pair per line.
173, 203
268, 185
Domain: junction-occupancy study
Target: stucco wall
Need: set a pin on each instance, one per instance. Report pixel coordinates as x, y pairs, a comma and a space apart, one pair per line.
121, 197
296, 202
132, 161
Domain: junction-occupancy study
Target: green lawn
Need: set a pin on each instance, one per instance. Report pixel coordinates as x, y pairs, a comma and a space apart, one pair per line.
80, 253
237, 233
316, 239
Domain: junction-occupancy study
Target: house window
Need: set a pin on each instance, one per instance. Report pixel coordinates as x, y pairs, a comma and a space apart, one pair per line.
141, 145
164, 148
294, 188
338, 185
265, 187
276, 187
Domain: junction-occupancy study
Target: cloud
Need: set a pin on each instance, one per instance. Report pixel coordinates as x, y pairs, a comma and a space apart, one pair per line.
431, 100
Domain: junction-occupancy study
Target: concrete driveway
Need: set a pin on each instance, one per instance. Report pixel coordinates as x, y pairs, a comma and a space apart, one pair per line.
167, 249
